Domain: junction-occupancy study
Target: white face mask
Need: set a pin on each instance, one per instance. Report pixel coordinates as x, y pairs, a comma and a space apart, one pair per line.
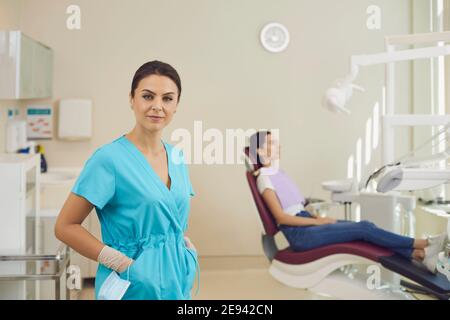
113, 287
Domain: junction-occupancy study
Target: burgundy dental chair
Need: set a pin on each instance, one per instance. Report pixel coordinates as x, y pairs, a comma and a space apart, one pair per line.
317, 269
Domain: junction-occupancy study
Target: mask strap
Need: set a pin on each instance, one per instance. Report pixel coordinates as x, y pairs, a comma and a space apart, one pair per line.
197, 269
198, 277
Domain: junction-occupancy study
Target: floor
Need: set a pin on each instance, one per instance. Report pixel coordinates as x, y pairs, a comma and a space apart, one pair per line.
237, 278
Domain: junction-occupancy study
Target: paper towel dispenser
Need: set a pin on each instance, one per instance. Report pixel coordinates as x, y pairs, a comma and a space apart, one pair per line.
75, 119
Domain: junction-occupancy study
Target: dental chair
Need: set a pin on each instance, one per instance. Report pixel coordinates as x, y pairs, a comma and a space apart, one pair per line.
320, 270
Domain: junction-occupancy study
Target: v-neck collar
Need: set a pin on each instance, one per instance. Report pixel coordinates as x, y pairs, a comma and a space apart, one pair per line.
139, 153
169, 199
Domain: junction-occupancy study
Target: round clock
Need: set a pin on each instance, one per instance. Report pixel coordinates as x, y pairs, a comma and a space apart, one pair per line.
275, 37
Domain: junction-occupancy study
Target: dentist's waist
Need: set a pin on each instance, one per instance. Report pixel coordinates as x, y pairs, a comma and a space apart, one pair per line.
147, 241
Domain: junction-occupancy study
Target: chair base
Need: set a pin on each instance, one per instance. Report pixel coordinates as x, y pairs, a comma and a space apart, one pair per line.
323, 277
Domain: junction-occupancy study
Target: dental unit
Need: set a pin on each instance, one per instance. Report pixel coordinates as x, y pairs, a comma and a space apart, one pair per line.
320, 270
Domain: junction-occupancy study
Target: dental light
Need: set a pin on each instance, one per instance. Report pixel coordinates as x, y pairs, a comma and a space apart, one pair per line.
337, 97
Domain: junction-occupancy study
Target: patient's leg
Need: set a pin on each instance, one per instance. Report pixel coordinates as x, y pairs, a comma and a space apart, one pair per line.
306, 238
420, 243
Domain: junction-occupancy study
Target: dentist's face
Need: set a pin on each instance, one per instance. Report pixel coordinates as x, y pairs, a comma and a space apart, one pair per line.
155, 101
270, 151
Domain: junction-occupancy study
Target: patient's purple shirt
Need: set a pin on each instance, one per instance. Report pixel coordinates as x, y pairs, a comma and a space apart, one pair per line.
285, 188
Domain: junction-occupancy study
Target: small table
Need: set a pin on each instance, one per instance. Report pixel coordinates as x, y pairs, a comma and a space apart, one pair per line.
61, 259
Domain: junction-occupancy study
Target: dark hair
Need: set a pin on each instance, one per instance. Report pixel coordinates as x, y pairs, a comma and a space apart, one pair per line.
158, 68
257, 141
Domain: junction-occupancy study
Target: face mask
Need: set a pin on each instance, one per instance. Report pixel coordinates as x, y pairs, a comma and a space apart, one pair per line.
113, 287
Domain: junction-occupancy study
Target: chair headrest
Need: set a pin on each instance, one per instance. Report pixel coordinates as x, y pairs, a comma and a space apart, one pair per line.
266, 216
250, 163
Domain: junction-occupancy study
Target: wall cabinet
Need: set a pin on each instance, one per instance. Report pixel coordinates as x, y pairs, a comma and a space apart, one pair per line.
26, 67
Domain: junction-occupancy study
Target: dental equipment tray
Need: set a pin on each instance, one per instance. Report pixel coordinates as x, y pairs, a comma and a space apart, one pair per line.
436, 282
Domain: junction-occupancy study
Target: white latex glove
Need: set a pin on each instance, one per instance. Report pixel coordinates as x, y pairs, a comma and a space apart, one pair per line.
189, 243
114, 259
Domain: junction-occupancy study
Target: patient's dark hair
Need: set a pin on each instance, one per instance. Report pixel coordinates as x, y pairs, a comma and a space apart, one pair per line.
158, 68
257, 141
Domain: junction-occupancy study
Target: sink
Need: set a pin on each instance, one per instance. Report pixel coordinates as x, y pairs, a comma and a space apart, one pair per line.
60, 176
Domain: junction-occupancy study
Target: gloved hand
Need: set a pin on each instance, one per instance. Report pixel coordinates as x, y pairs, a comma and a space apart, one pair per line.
125, 264
189, 243
114, 259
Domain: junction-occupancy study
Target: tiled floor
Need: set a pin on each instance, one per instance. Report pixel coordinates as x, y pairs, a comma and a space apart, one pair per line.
235, 278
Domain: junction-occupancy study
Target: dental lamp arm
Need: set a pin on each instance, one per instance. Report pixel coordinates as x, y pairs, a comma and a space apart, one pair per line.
337, 97
397, 56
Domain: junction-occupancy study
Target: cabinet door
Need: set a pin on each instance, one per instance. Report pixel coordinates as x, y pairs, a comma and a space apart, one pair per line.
9, 60
26, 67
47, 61
42, 71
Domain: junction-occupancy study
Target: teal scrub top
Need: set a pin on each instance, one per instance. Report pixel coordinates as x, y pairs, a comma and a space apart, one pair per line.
142, 218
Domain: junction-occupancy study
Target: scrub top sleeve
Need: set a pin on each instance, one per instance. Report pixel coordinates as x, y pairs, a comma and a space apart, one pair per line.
96, 182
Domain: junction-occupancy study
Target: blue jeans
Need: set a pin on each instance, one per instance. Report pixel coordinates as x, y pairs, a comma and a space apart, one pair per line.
303, 238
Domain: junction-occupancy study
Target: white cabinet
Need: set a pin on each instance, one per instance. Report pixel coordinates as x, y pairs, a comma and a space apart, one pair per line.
26, 67
19, 218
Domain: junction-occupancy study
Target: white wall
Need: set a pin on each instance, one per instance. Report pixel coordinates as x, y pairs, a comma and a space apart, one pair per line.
10, 14
229, 81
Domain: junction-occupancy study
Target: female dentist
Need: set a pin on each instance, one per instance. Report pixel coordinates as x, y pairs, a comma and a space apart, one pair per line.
140, 188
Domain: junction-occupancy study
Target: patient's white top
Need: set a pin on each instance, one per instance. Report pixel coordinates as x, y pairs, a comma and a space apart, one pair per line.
289, 196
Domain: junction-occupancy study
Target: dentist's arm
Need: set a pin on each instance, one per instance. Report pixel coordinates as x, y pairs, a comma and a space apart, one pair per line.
281, 217
69, 230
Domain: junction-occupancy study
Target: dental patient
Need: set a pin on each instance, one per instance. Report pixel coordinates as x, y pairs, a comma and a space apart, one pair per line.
305, 230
